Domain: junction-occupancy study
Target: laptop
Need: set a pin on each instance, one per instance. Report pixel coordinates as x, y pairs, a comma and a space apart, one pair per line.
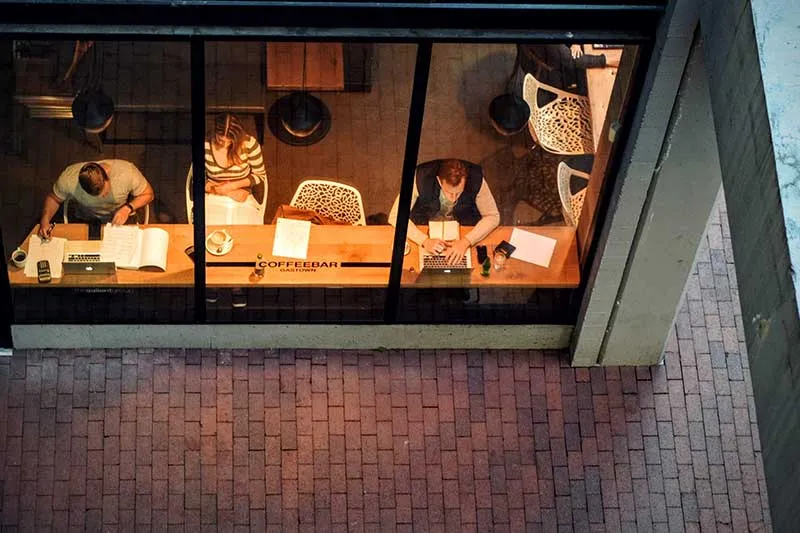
439, 263
84, 258
434, 271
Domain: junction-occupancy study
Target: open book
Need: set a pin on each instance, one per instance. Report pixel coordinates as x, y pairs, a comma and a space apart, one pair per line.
444, 230
135, 248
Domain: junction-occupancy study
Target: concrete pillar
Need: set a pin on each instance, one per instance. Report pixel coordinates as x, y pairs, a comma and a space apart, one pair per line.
632, 183
682, 192
753, 59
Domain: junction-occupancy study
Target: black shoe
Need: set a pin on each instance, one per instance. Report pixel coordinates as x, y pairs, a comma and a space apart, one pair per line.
212, 295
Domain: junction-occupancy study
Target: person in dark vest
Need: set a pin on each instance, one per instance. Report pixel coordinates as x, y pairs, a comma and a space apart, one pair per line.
450, 189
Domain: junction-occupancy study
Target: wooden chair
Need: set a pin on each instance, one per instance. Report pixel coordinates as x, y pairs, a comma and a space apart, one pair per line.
562, 126
571, 204
331, 199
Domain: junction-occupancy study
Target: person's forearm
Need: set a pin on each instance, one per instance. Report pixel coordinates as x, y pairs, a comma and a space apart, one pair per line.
484, 226
137, 202
243, 183
414, 234
49, 209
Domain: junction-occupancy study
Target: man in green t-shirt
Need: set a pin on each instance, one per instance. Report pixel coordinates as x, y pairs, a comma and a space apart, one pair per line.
106, 191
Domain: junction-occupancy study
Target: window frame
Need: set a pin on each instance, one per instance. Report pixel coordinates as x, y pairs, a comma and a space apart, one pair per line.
196, 23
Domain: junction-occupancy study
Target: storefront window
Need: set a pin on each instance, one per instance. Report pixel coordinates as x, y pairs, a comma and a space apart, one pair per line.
100, 136
508, 147
304, 153
304, 149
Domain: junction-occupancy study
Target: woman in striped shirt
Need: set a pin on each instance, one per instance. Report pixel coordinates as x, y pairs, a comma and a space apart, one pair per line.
234, 163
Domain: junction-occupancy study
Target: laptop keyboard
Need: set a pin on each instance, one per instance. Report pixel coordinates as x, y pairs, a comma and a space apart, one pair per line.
439, 262
89, 257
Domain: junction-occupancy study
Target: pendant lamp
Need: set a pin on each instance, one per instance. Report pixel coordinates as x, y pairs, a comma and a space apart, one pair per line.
299, 118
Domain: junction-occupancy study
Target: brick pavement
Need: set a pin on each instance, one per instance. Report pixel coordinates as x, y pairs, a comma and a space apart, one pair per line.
184, 440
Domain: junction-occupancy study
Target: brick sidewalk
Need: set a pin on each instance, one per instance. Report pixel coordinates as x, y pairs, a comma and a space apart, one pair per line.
391, 441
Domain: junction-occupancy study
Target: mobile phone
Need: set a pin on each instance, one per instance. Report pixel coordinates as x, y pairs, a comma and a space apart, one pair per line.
481, 249
43, 271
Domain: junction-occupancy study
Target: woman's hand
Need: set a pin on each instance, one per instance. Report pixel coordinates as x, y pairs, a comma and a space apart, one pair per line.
576, 51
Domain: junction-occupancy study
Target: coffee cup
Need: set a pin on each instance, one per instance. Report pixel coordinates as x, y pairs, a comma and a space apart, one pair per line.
18, 257
219, 237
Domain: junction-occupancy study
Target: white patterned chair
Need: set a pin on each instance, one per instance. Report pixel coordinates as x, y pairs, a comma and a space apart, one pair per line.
563, 126
571, 204
331, 199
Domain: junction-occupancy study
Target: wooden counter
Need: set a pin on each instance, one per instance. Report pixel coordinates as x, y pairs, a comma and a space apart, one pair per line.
600, 83
330, 250
323, 64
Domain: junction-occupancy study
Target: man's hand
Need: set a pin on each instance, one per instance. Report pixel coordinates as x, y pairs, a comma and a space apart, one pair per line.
210, 187
457, 250
45, 229
434, 246
121, 216
576, 50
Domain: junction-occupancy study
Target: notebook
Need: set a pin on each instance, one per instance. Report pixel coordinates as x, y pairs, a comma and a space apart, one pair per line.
134, 248
444, 230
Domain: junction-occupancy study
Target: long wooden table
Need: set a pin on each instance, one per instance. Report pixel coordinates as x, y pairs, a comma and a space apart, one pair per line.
336, 258
600, 83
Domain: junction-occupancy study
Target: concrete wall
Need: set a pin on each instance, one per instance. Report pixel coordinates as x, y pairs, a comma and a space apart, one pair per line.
366, 337
756, 121
684, 187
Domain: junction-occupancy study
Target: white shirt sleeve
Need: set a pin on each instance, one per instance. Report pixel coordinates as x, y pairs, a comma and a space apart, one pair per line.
414, 233
490, 216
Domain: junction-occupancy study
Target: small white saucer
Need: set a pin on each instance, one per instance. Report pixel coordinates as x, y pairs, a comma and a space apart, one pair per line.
219, 250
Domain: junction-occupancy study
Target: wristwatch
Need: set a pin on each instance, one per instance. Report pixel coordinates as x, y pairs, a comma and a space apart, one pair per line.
130, 206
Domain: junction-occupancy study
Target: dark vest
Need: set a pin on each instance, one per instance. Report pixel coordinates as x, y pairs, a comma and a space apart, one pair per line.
427, 205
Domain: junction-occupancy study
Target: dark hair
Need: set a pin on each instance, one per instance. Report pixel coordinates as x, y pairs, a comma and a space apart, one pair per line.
452, 172
92, 177
228, 126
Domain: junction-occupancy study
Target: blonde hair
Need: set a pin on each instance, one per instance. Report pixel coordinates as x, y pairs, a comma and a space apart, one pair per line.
228, 126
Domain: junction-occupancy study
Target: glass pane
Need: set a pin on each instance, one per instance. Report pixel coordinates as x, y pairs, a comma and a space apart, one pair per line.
508, 131
100, 129
304, 151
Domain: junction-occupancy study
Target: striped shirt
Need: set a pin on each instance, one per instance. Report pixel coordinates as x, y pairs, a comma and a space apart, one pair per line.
252, 165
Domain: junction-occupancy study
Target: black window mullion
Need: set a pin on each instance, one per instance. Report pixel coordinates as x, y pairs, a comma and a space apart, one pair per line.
6, 307
416, 114
198, 92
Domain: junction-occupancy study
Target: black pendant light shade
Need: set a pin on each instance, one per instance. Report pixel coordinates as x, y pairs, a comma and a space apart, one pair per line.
93, 110
299, 119
509, 114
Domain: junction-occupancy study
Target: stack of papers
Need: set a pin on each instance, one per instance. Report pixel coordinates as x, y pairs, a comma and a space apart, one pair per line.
52, 250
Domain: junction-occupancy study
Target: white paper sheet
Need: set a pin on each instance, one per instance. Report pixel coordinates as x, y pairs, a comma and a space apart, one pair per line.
52, 250
154, 249
291, 238
532, 247
121, 245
